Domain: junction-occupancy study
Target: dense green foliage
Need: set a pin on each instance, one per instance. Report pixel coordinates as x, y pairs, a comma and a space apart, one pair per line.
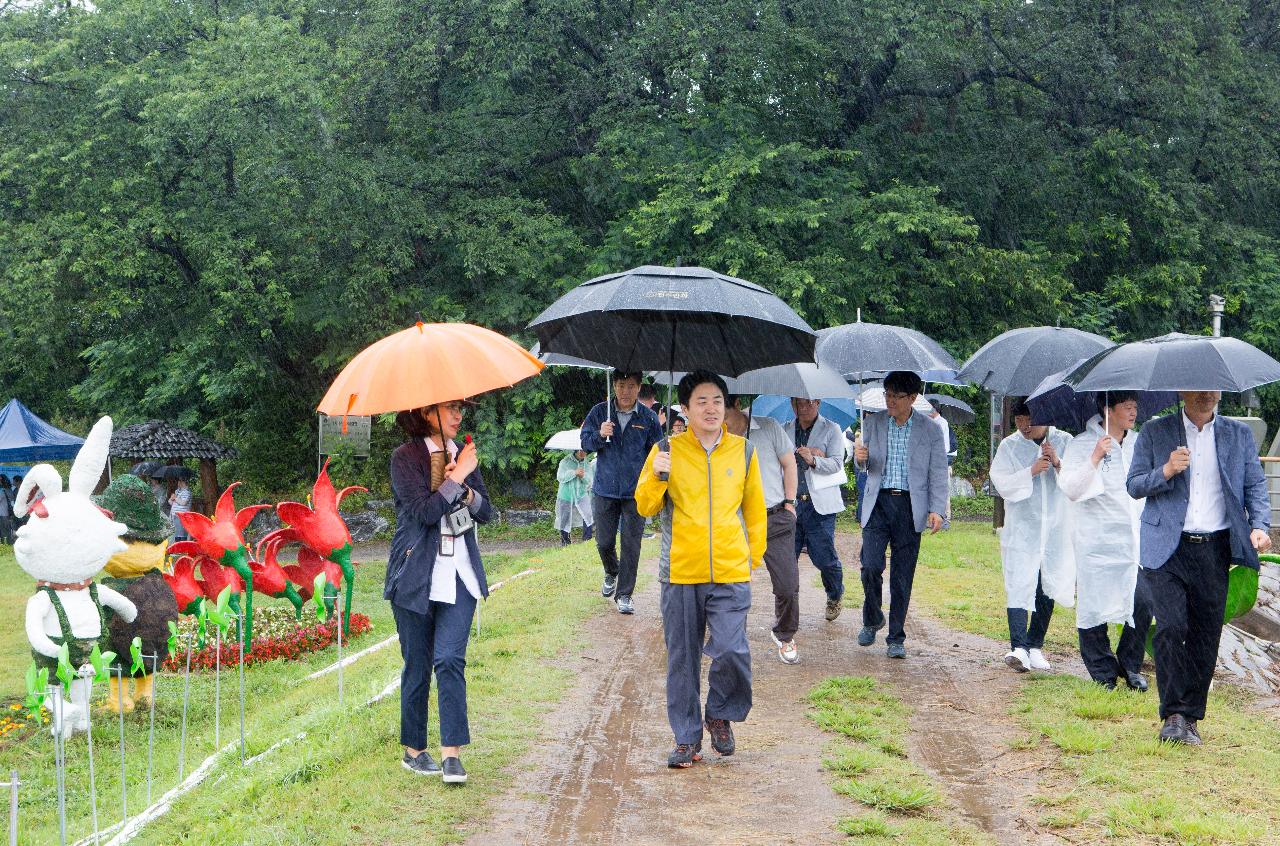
207, 207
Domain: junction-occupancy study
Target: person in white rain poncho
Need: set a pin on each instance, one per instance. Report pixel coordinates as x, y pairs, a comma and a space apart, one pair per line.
1104, 520
1035, 548
575, 474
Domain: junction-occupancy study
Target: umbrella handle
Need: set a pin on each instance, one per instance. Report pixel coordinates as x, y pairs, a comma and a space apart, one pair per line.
663, 446
608, 408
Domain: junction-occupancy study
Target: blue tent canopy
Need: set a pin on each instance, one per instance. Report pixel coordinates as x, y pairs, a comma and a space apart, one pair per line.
25, 438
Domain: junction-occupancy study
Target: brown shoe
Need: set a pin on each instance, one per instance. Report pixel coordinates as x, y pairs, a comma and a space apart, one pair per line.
833, 609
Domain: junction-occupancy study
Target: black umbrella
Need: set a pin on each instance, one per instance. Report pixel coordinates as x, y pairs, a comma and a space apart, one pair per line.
952, 410
146, 469
1016, 362
173, 471
862, 350
674, 318
1176, 362
1054, 403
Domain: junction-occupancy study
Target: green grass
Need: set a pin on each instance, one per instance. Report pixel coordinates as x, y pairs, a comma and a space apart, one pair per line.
959, 583
867, 762
344, 777
16, 587
1112, 781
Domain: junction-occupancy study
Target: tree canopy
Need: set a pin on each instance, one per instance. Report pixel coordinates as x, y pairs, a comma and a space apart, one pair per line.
208, 206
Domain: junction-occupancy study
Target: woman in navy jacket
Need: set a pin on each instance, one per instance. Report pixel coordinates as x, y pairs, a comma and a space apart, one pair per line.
434, 579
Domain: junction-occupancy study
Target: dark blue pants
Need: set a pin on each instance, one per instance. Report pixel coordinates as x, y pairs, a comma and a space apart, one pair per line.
614, 517
706, 619
1105, 666
890, 527
1030, 636
818, 533
436, 640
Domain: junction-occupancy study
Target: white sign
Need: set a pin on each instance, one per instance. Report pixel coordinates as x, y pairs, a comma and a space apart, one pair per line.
356, 439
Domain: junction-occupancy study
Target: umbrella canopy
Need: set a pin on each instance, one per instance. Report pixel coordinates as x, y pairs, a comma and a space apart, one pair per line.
557, 360
426, 364
173, 471
1016, 362
802, 379
872, 399
840, 411
146, 469
25, 438
1054, 403
953, 410
862, 350
674, 318
570, 440
1176, 362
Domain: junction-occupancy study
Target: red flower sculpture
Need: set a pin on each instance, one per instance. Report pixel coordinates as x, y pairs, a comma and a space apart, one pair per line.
323, 530
270, 578
222, 539
184, 585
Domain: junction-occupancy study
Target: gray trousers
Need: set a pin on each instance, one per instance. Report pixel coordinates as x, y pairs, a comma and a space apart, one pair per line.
614, 517
784, 573
708, 618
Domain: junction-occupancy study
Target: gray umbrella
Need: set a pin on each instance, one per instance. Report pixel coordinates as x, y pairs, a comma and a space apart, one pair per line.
811, 381
1176, 362
952, 410
557, 360
859, 350
146, 469
674, 318
1016, 362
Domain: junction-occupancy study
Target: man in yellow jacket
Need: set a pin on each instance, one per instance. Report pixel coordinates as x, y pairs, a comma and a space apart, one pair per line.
707, 485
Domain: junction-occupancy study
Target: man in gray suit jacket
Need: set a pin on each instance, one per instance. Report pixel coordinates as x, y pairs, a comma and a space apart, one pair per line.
1207, 507
905, 457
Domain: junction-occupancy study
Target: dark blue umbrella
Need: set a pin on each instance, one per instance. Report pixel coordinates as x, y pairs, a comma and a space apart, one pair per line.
952, 410
1016, 362
1176, 362
1055, 403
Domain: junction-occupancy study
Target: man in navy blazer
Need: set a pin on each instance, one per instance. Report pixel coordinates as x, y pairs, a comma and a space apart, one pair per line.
1207, 508
905, 457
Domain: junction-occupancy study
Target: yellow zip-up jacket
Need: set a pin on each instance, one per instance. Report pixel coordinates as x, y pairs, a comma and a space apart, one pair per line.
715, 525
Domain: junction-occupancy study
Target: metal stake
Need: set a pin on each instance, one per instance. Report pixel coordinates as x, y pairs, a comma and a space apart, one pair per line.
13, 808
124, 787
151, 728
59, 762
186, 697
217, 687
340, 618
242, 686
88, 716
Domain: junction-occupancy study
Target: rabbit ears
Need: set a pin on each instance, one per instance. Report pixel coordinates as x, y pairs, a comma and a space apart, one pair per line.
92, 458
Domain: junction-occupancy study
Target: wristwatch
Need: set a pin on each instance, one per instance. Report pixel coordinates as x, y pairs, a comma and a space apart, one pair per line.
788, 502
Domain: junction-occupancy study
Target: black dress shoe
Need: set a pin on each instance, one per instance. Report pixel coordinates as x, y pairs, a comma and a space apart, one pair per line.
1175, 730
453, 771
422, 763
1109, 684
1193, 733
1136, 681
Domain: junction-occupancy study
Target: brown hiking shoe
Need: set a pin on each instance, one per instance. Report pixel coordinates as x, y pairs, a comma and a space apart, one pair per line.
721, 735
833, 609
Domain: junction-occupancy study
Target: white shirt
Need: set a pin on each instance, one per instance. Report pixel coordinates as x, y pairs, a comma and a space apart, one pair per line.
449, 568
1206, 508
946, 434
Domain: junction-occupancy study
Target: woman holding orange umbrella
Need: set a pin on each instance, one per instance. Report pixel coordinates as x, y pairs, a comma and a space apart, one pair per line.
435, 576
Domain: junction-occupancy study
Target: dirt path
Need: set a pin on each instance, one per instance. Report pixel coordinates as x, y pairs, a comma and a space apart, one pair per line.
599, 774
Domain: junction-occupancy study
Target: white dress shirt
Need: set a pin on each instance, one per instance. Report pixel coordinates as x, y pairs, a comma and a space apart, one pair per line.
1206, 507
449, 568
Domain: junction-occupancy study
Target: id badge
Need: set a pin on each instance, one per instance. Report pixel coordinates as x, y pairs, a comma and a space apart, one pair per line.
446, 545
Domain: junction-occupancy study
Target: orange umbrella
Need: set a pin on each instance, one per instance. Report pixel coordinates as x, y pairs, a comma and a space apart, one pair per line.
426, 364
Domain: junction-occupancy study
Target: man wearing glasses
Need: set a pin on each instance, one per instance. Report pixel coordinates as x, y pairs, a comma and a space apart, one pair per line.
906, 462
819, 449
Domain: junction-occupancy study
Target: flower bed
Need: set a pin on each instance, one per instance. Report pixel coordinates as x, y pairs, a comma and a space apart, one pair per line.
278, 639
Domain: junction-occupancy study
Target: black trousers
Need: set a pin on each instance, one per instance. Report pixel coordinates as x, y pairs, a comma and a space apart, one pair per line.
890, 527
1095, 643
611, 517
1188, 597
1030, 636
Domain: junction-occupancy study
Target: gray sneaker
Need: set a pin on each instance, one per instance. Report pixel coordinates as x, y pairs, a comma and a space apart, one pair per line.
895, 650
610, 583
625, 606
422, 763
867, 634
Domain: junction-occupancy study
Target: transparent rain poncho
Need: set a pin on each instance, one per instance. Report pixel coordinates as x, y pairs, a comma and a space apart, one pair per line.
1035, 542
1104, 527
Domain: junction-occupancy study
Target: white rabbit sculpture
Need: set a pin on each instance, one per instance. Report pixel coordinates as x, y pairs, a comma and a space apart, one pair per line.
64, 545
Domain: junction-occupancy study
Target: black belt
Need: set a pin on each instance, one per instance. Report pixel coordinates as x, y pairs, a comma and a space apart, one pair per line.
1205, 537
895, 492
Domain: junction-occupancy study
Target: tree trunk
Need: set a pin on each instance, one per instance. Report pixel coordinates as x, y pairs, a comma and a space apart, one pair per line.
209, 484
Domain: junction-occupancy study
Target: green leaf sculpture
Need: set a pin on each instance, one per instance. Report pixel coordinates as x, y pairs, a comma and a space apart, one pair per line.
135, 652
173, 638
101, 662
317, 595
37, 689
65, 671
